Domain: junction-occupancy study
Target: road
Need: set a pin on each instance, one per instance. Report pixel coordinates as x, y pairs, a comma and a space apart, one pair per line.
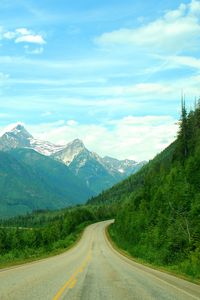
92, 270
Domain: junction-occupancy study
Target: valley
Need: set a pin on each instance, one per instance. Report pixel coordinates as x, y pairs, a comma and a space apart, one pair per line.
40, 175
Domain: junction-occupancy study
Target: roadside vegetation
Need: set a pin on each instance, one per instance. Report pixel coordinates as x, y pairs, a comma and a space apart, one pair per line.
158, 218
41, 234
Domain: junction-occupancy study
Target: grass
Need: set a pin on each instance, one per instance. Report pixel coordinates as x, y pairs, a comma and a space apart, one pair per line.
171, 270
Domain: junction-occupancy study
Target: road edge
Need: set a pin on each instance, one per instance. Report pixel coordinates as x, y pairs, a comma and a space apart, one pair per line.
45, 257
157, 272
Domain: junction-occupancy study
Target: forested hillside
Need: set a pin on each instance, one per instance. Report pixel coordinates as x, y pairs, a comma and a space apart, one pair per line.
31, 181
158, 217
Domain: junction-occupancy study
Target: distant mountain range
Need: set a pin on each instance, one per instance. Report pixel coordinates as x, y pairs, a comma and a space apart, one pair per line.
31, 181
19, 137
37, 174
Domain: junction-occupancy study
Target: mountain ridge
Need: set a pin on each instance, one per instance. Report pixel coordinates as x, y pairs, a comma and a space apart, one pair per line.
19, 137
30, 181
98, 173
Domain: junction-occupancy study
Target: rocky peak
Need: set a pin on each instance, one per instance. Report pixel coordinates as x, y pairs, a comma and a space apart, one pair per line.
77, 143
17, 137
19, 130
70, 151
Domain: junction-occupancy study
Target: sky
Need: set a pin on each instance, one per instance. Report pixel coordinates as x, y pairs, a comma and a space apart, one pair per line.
108, 72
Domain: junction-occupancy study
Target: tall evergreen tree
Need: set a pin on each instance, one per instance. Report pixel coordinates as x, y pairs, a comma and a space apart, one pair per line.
183, 131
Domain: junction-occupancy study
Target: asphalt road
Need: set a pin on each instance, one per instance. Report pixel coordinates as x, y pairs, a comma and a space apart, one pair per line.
92, 270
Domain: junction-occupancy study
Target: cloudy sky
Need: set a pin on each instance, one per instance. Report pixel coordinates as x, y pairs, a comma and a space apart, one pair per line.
108, 72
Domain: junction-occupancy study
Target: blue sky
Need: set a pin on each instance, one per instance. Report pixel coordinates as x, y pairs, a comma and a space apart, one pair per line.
108, 72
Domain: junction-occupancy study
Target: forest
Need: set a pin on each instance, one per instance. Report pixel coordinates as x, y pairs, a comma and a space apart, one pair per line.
159, 216
44, 233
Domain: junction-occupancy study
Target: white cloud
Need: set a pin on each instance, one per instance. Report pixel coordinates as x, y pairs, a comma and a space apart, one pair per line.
194, 7
184, 61
39, 50
35, 51
131, 137
151, 89
23, 31
23, 35
35, 39
121, 95
46, 114
177, 30
4, 116
72, 123
9, 35
3, 78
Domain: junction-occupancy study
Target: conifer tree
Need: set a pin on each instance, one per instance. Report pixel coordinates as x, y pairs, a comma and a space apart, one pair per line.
183, 131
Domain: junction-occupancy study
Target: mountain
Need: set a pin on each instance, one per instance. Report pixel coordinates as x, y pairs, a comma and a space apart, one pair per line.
44, 147
86, 165
126, 166
157, 210
31, 181
19, 137
70, 151
97, 173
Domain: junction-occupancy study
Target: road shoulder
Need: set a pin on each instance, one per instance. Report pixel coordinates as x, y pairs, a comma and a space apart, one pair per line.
179, 282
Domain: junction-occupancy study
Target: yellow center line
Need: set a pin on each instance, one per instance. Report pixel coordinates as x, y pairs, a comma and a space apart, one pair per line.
73, 280
73, 283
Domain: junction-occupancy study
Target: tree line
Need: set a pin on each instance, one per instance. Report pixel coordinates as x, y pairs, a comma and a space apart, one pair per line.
40, 233
158, 216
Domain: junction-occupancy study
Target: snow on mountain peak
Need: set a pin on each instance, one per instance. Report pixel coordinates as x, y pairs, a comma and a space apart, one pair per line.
18, 126
44, 147
76, 143
16, 136
19, 129
11, 128
70, 151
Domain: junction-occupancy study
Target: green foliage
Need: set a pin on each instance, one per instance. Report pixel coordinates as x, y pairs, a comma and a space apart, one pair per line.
40, 233
31, 181
158, 216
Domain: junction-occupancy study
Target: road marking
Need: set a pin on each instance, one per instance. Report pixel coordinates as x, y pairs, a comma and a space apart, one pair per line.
73, 280
73, 283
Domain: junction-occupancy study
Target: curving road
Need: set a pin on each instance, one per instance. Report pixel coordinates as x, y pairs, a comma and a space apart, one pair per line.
92, 270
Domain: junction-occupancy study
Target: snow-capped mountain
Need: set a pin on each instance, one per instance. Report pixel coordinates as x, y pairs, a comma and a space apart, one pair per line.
70, 151
98, 173
19, 137
74, 149
44, 147
38, 174
86, 165
126, 166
